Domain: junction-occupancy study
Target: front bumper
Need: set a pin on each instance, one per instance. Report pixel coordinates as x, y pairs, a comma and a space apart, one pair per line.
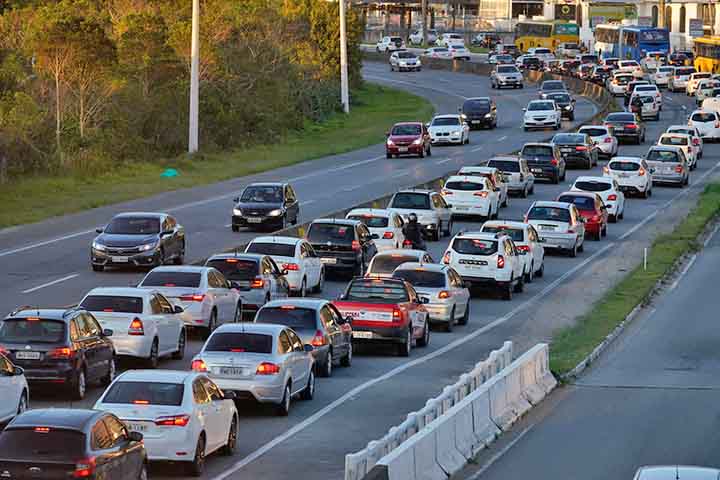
508, 82
445, 139
415, 66
532, 123
411, 149
243, 221
106, 259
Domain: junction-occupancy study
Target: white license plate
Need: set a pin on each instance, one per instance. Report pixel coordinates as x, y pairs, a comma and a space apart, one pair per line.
232, 371
331, 261
402, 149
27, 355
362, 334
254, 220
462, 209
119, 259
476, 122
536, 170
136, 427
547, 227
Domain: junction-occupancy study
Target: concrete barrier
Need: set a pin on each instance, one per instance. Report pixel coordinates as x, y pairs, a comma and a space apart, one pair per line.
450, 459
484, 429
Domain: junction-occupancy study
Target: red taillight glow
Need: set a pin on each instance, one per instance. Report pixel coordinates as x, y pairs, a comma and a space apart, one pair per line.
446, 192
523, 248
198, 365
446, 258
612, 197
407, 243
641, 172
173, 421
355, 245
501, 261
679, 169
267, 368
136, 327
293, 267
595, 218
696, 141
608, 140
482, 194
62, 352
41, 429
553, 161
388, 235
319, 339
192, 298
84, 468
581, 148
396, 313
141, 402
632, 126
257, 283
444, 294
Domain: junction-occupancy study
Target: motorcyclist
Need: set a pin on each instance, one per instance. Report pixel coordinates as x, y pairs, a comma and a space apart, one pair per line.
413, 232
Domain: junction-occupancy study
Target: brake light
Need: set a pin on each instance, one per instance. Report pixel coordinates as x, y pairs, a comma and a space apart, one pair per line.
291, 266
612, 197
553, 161
318, 340
173, 421
717, 124
523, 248
257, 283
608, 140
388, 235
501, 261
444, 294
446, 258
231, 260
632, 126
136, 327
192, 298
679, 169
84, 468
407, 243
446, 192
482, 194
198, 365
641, 172
41, 429
62, 352
355, 245
396, 314
580, 148
696, 141
141, 402
267, 368
595, 218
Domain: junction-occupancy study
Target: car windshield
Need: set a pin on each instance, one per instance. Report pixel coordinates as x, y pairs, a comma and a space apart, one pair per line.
620, 117
464, 185
555, 214
331, 232
236, 269
476, 105
145, 393
172, 279
517, 234
395, 39
421, 278
594, 132
666, 69
679, 141
406, 130
371, 221
537, 151
560, 97
133, 226
474, 246
110, 303
592, 186
32, 330
406, 55
622, 80
375, 291
542, 51
272, 248
40, 445
445, 121
624, 166
258, 194
553, 85
505, 165
389, 262
239, 342
581, 202
569, 139
703, 117
409, 200
663, 156
507, 69
540, 106
681, 72
290, 316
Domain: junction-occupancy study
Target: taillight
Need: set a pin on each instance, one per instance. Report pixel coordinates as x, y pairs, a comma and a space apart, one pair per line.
444, 294
679, 169
612, 197
407, 243
580, 148
696, 141
388, 235
608, 140
553, 161
84, 468
523, 248
136, 327
595, 218
482, 194
257, 283
355, 245
319, 339
641, 172
396, 314
198, 365
173, 421
632, 126
193, 298
446, 258
501, 261
446, 192
291, 267
267, 368
62, 352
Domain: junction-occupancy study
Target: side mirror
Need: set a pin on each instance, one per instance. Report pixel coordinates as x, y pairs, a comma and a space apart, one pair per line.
308, 348
374, 236
107, 332
19, 371
101, 229
284, 272
236, 199
135, 436
178, 309
167, 232
229, 395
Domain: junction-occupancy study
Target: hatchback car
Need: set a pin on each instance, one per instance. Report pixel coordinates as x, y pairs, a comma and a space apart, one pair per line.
694, 134
528, 242
433, 212
631, 89
591, 208
449, 129
408, 138
384, 264
389, 44
668, 165
471, 196
683, 141
559, 224
619, 83
631, 66
542, 114
626, 126
544, 161
577, 149
645, 106
551, 86
272, 205
516, 174
342, 244
632, 175
404, 61
679, 79
707, 123
384, 224
565, 103
491, 173
602, 136
661, 76
694, 81
14, 390
479, 112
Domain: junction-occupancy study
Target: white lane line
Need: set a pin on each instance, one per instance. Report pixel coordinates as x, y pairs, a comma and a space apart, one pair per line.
228, 225
444, 160
30, 290
350, 189
307, 202
423, 87
499, 455
46, 242
398, 370
502, 138
683, 273
400, 174
336, 169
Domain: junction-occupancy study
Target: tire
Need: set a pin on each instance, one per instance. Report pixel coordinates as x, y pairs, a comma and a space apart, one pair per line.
531, 274
448, 230
520, 285
429, 151
541, 273
346, 361
212, 324
387, 155
403, 350
321, 282
309, 391
436, 234
182, 342
573, 251
422, 153
612, 218
424, 341
451, 322
466, 317
507, 292
78, 387
108, 379
197, 466
154, 359
98, 268
327, 366
235, 228
581, 248
302, 293
22, 403
283, 408
143, 472
229, 448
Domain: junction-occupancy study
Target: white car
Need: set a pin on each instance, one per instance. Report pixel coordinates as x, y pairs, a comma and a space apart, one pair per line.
600, 134
390, 44
516, 174
384, 264
296, 258
707, 88
438, 52
205, 295
679, 79
697, 141
183, 416
385, 224
608, 189
416, 37
632, 174
528, 242
404, 60
471, 196
651, 90
14, 391
541, 114
450, 38
433, 213
632, 67
544, 54
568, 50
684, 142
653, 59
619, 83
661, 76
648, 108
487, 259
694, 80
459, 51
707, 123
144, 323
449, 129
491, 173
676, 472
559, 224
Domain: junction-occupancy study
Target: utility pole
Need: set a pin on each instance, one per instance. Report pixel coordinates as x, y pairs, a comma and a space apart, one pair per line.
194, 78
424, 22
344, 94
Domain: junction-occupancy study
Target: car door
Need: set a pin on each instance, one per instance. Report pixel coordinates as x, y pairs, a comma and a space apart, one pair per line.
366, 243
217, 420
169, 324
126, 456
10, 389
460, 294
442, 207
538, 251
333, 331
345, 330
91, 346
218, 286
107, 463
314, 259
204, 408
301, 361
620, 195
578, 224
282, 288
306, 266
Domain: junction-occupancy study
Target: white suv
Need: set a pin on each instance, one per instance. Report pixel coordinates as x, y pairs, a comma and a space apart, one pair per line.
560, 225
541, 114
471, 196
707, 122
694, 81
416, 37
528, 242
487, 259
390, 44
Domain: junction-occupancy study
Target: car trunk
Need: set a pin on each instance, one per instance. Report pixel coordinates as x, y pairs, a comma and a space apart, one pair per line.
118, 322
37, 355
364, 312
550, 226
40, 453
142, 418
233, 365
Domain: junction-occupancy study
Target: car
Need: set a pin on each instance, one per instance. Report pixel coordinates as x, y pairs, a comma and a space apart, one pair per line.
446, 39
610, 62
567, 49
676, 472
661, 76
182, 416
553, 66
585, 71
707, 88
588, 59
438, 52
653, 60
295, 258
542, 114
679, 80
71, 443
259, 361
516, 173
668, 165
417, 37
694, 134
551, 86
255, 277
610, 193
342, 244
145, 324
408, 138
618, 84
14, 390
707, 123
491, 173
528, 242
544, 161
404, 60
542, 53
591, 208
507, 49
386, 311
506, 76
501, 59
266, 204
471, 196
459, 51
565, 103
487, 260
528, 62
600, 74
448, 129
645, 106
602, 136
383, 264
318, 323
577, 149
631, 89
678, 59
683, 141
626, 126
632, 175
389, 44
559, 224
206, 296
433, 212
569, 67
139, 239
694, 80
448, 299
479, 112
384, 224
649, 89
631, 66
64, 348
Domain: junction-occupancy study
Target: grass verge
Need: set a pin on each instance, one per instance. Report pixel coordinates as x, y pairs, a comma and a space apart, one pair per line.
571, 345
375, 109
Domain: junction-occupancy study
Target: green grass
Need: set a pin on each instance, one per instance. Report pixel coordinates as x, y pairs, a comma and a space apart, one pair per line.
375, 109
474, 49
570, 346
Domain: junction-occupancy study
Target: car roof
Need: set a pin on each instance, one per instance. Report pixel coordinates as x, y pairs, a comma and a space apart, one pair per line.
586, 127
337, 221
377, 212
627, 159
159, 375
505, 158
505, 223
485, 99
674, 134
447, 115
464, 178
538, 144
49, 313
121, 291
65, 418
239, 255
539, 100
432, 267
591, 178
476, 234
180, 268
666, 148
677, 472
311, 303
140, 214
407, 123
277, 239
478, 169
401, 251
550, 203
248, 327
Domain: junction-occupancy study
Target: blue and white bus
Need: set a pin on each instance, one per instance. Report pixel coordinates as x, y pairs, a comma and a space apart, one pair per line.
630, 42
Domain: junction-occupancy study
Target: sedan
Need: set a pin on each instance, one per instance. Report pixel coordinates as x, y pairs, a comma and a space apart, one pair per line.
545, 161
541, 114
480, 112
273, 205
668, 165
408, 138
683, 141
626, 125
577, 149
404, 60
297, 260
447, 129
591, 208
14, 390
694, 134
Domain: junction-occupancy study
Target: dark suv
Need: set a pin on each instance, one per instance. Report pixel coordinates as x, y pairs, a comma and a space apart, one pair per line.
565, 103
272, 205
577, 149
479, 112
544, 161
626, 125
531, 63
66, 348
342, 244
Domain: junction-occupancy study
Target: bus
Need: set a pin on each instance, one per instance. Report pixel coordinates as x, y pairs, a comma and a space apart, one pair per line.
607, 41
545, 33
630, 42
707, 54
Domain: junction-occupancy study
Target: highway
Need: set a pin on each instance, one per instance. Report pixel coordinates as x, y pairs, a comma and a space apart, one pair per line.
360, 403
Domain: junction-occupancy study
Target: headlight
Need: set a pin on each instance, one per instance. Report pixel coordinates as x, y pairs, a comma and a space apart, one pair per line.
569, 107
456, 133
488, 115
418, 141
237, 212
98, 246
390, 142
147, 246
275, 213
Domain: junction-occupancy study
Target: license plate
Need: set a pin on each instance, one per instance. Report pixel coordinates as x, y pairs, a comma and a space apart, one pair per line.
402, 149
462, 209
331, 261
119, 259
232, 371
362, 334
476, 122
547, 227
536, 170
27, 355
136, 427
254, 220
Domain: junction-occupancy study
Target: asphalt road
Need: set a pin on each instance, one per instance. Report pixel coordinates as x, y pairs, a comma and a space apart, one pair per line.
358, 404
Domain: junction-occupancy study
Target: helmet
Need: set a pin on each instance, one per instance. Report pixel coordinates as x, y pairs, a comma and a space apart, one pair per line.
412, 218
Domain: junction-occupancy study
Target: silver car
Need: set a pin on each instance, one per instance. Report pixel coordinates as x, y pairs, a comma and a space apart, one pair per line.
264, 362
676, 472
516, 174
668, 165
506, 76
560, 225
447, 296
434, 214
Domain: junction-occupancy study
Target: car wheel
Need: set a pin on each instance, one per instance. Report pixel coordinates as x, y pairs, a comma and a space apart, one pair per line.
23, 403
180, 258
429, 151
154, 359
424, 341
212, 324
346, 361
235, 228
598, 235
422, 153
79, 385
581, 248
448, 231
108, 379
520, 285
309, 391
283, 408
604, 231
507, 292
303, 288
98, 268
182, 341
573, 251
403, 350
197, 466
229, 448
612, 218
531, 274
327, 366
541, 272
466, 316
524, 193
388, 155
451, 321
321, 282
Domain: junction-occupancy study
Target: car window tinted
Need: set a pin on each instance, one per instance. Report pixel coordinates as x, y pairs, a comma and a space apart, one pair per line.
624, 166
262, 194
569, 138
445, 121
133, 226
290, 316
24, 330
276, 249
29, 444
507, 69
472, 246
406, 130
172, 279
239, 342
409, 200
331, 232
594, 132
554, 214
505, 165
581, 202
476, 105
108, 303
235, 269
537, 151
663, 156
540, 106
371, 221
145, 393
465, 186
592, 186
406, 55
421, 278
516, 234
376, 291
702, 117
620, 117
387, 263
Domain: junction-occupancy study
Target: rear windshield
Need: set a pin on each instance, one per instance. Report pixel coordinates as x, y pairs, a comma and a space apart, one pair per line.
133, 226
679, 141
594, 132
293, 317
666, 69
515, 233
330, 232
701, 75
375, 291
239, 342
145, 393
620, 117
55, 445
703, 117
581, 202
388, 263
554, 214
645, 88
464, 186
537, 151
410, 200
371, 221
236, 269
172, 279
107, 303
569, 138
592, 186
553, 85
663, 156
272, 249
405, 130
560, 97
23, 330
684, 71
421, 278
505, 165
622, 79
474, 246
262, 194
624, 166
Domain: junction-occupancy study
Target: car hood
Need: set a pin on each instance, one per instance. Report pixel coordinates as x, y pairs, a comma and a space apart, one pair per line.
122, 240
258, 206
445, 128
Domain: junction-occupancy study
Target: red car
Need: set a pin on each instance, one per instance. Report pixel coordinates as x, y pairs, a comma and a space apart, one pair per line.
385, 310
409, 138
592, 209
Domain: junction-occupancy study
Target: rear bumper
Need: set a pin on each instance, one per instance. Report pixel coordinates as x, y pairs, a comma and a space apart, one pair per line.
577, 160
559, 241
482, 210
171, 448
439, 312
339, 261
484, 281
379, 334
544, 171
270, 391
678, 179
132, 346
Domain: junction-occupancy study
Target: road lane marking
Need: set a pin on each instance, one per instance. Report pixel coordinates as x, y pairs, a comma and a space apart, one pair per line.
445, 160
499, 455
502, 138
39, 287
43, 243
683, 273
423, 87
336, 169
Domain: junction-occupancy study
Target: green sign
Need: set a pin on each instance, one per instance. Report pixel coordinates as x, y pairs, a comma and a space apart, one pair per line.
612, 13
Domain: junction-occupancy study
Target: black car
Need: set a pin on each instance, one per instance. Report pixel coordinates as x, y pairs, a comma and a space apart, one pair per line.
273, 205
61, 348
584, 72
342, 244
565, 103
569, 67
601, 73
626, 126
138, 239
57, 443
479, 112
544, 161
531, 63
577, 149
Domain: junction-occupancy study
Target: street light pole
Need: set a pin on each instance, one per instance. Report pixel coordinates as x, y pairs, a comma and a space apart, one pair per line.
194, 78
423, 7
344, 93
